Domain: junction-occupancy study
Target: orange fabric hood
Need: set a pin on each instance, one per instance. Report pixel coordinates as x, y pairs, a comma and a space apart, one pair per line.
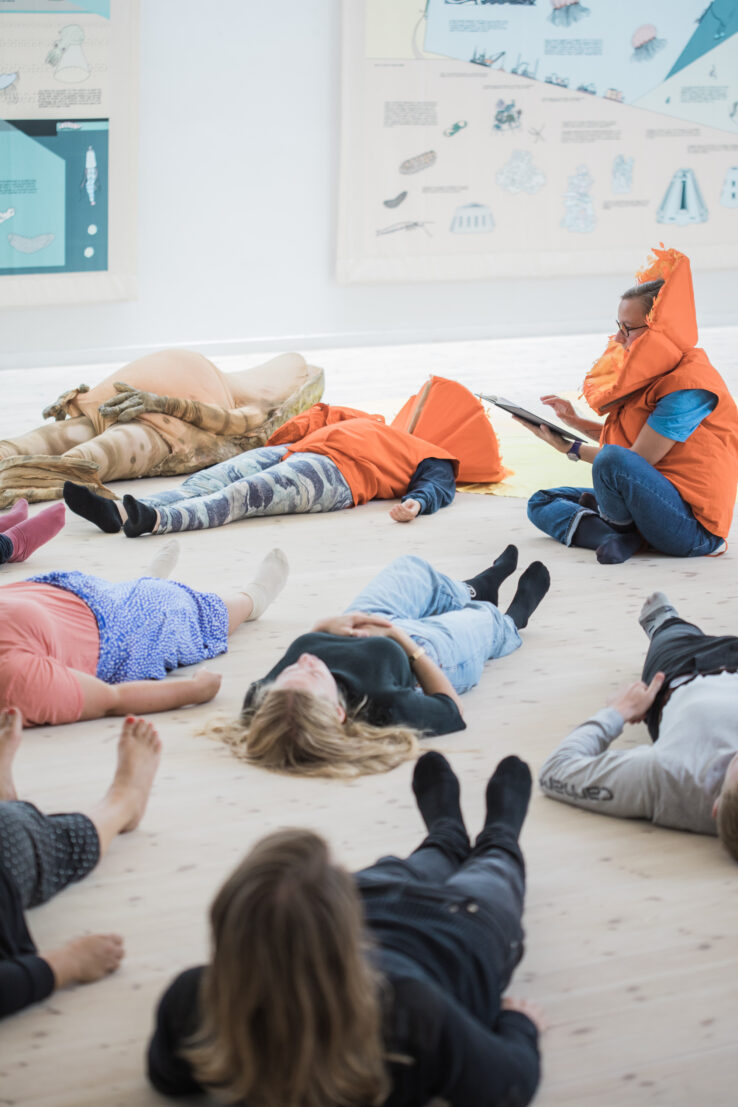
672, 330
446, 414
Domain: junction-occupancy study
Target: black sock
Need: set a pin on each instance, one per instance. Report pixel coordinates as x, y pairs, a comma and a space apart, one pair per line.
532, 587
485, 585
508, 794
141, 517
103, 513
436, 789
591, 532
588, 499
6, 549
619, 548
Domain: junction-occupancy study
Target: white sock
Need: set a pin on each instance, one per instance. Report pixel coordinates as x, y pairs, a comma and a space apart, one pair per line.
269, 580
655, 611
165, 560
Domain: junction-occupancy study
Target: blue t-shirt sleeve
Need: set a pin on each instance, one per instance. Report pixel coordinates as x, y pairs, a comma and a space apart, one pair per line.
679, 414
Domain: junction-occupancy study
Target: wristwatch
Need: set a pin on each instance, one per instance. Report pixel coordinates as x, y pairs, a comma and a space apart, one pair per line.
413, 657
573, 452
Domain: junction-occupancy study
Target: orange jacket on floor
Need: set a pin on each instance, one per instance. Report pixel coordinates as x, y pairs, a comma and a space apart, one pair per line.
375, 460
626, 385
444, 420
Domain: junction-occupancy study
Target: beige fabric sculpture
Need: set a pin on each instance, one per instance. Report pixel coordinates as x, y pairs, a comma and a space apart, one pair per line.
168, 413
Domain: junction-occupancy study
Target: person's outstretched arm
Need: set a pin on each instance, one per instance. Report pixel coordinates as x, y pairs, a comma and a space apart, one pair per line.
139, 697
464, 1062
24, 980
583, 771
432, 486
177, 1017
130, 403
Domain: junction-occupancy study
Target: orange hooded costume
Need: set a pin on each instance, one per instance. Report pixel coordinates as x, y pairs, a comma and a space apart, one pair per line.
377, 461
626, 385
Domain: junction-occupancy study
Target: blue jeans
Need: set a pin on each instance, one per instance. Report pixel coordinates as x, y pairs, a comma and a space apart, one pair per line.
629, 490
459, 633
257, 482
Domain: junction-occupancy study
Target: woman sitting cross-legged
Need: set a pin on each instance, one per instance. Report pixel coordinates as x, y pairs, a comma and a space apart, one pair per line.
41, 854
385, 988
665, 471
326, 459
74, 646
354, 694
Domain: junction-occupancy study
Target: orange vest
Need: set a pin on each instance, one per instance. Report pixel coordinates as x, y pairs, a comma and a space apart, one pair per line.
627, 385
375, 460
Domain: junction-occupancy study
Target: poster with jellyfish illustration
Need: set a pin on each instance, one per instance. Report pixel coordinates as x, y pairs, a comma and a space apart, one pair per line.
620, 51
64, 125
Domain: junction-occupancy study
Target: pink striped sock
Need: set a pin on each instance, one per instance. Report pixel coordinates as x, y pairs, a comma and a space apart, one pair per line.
16, 515
32, 533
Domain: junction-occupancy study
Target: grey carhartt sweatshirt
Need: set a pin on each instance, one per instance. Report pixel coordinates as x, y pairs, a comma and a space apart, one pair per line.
673, 782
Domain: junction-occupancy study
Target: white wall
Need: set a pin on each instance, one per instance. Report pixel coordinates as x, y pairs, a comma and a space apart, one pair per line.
238, 170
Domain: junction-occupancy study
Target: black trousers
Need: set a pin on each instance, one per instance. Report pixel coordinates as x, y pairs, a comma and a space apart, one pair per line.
44, 853
679, 648
487, 879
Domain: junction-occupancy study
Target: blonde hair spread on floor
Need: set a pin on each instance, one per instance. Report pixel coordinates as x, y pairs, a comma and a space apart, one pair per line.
291, 1008
292, 731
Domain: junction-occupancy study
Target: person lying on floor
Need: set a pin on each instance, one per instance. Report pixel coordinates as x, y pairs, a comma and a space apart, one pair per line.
326, 459
21, 536
665, 471
74, 646
385, 987
172, 412
42, 854
354, 694
688, 779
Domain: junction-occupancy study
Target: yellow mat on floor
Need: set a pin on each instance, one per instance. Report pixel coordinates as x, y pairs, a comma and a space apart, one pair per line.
535, 465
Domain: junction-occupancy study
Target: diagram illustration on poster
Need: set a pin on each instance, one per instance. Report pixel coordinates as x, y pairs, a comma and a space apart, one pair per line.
582, 46
66, 57
519, 174
67, 111
520, 139
683, 203
579, 213
472, 219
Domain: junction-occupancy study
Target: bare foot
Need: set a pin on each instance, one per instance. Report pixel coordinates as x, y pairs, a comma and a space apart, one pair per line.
11, 727
84, 960
139, 751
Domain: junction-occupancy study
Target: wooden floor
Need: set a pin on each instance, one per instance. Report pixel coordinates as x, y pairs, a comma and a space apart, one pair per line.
631, 944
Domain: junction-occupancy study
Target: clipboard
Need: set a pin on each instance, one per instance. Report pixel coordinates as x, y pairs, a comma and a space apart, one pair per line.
534, 420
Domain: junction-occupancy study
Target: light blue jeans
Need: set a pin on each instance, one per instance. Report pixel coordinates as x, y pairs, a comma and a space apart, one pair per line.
459, 633
629, 490
257, 482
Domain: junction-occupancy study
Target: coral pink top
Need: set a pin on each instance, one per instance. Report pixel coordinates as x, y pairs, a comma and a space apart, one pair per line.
45, 632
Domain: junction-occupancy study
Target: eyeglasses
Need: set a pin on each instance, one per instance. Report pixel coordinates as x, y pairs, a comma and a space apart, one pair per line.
625, 330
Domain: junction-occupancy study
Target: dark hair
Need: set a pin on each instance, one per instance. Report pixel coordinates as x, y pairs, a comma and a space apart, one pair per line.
646, 293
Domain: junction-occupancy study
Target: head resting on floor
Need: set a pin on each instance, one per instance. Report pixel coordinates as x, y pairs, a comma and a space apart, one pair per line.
292, 730
291, 1009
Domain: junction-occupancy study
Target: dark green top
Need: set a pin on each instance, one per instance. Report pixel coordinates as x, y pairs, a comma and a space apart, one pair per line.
377, 671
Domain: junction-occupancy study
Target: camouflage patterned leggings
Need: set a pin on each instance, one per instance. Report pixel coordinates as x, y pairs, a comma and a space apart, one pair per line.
255, 483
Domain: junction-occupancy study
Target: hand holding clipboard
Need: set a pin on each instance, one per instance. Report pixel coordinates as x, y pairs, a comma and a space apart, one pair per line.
536, 421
